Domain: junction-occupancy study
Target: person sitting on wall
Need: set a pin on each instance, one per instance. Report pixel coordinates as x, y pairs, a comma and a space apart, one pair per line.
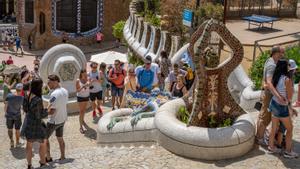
173, 74
9, 61
145, 78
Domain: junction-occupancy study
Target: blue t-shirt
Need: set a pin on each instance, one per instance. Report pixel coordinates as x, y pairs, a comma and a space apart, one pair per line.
18, 41
145, 78
14, 104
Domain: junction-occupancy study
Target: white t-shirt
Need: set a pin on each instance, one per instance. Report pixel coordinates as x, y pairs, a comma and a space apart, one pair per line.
155, 68
58, 101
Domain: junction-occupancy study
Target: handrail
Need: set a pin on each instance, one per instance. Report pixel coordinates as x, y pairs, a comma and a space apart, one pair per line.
256, 43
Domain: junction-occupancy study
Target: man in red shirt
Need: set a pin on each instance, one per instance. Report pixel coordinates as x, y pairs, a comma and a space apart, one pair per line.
116, 77
9, 61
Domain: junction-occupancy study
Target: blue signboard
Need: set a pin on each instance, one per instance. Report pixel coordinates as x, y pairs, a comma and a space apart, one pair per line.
187, 17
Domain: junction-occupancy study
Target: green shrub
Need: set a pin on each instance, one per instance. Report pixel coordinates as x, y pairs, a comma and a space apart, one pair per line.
226, 123
152, 19
257, 69
208, 11
183, 114
136, 61
118, 29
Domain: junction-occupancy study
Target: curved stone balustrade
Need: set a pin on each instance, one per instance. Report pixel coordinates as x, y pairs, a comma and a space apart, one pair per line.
153, 40
172, 134
203, 143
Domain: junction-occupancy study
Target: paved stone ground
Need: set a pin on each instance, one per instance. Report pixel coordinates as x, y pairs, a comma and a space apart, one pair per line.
82, 151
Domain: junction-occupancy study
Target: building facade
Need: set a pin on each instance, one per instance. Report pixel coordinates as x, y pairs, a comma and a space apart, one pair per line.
46, 22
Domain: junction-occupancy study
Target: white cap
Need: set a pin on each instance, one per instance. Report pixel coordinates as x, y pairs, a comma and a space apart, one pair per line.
292, 64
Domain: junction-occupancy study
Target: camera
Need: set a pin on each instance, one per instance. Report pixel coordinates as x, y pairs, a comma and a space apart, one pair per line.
91, 87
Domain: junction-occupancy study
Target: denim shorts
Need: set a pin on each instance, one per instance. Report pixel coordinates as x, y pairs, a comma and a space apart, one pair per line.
278, 110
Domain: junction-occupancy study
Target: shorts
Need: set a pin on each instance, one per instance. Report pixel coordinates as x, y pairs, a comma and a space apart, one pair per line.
83, 99
279, 111
58, 128
94, 96
115, 91
264, 114
14, 123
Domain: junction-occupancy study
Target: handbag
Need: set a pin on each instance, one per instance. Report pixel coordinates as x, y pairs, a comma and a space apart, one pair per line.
258, 106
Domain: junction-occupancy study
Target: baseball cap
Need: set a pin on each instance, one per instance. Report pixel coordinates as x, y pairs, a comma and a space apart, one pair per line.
148, 59
19, 86
292, 64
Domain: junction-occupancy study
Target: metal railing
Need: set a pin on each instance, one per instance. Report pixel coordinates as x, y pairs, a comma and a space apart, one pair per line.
259, 46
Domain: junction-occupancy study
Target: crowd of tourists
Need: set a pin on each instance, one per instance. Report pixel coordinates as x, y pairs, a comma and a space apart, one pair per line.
96, 86
278, 90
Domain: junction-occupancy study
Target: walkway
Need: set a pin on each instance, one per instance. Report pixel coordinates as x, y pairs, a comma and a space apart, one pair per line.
83, 152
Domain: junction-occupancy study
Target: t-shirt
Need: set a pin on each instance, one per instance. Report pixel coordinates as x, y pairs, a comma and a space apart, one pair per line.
96, 85
155, 69
9, 62
18, 41
58, 101
14, 104
145, 79
138, 69
269, 68
119, 81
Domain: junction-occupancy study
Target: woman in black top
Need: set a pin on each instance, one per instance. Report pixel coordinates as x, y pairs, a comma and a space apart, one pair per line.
34, 127
179, 88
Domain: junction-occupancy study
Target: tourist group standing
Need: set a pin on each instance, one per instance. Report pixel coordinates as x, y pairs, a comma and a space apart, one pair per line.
277, 96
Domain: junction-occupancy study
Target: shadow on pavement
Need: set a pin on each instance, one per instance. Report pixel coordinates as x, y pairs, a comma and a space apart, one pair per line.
292, 163
60, 162
90, 133
18, 152
264, 30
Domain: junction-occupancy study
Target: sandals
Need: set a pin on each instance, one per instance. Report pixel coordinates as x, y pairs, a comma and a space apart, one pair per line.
42, 164
81, 130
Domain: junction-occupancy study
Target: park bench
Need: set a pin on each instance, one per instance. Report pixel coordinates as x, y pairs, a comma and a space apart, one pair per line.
260, 20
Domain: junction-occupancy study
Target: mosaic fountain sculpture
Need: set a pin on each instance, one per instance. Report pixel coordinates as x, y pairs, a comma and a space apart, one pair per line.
211, 98
66, 61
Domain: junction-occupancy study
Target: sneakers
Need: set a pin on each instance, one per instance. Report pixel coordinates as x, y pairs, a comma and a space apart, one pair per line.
100, 112
274, 150
262, 142
290, 154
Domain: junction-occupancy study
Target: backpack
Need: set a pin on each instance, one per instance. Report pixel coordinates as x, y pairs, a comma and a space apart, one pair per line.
113, 72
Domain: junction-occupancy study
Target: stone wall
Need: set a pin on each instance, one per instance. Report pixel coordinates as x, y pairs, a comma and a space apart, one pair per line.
114, 10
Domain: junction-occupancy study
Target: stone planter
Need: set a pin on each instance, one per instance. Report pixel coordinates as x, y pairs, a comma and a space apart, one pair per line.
203, 143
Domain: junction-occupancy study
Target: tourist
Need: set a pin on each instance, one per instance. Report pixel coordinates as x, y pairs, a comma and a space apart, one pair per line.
179, 89
13, 104
145, 78
95, 81
130, 84
269, 90
156, 70
173, 74
25, 76
105, 83
83, 96
99, 37
7, 86
64, 37
29, 41
34, 128
36, 61
10, 61
189, 78
165, 66
18, 45
2, 65
35, 73
57, 110
281, 131
280, 112
116, 77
